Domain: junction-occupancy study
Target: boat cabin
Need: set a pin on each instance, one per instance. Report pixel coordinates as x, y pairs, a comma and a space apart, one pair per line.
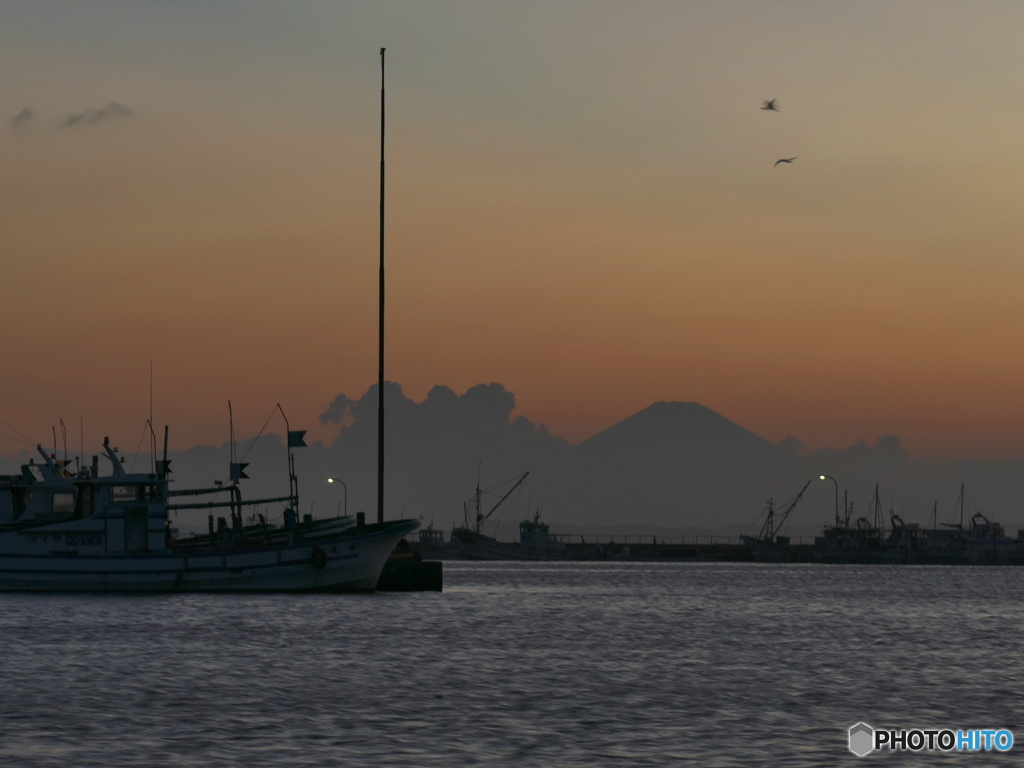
48, 509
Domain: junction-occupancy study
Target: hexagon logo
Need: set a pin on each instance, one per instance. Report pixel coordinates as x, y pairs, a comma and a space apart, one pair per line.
862, 739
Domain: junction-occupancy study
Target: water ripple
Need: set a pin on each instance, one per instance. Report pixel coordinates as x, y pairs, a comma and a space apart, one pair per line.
519, 664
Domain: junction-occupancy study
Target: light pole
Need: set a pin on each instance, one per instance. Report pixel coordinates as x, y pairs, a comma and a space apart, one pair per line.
336, 480
829, 477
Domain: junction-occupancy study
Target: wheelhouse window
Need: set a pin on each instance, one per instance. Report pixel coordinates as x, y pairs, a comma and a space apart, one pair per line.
63, 503
132, 493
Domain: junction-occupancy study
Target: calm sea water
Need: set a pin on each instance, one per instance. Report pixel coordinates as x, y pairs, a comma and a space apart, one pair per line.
521, 664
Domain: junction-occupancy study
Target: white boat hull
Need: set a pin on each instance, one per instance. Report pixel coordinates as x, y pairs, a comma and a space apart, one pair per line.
349, 562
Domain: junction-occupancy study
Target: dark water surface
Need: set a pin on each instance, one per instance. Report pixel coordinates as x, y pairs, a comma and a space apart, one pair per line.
521, 664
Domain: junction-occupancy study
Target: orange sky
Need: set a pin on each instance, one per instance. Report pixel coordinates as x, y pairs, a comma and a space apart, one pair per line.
581, 206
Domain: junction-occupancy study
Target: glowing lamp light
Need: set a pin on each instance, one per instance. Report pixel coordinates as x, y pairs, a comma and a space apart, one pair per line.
344, 485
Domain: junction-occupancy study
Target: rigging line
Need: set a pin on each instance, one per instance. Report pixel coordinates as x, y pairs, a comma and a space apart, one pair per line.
9, 457
272, 410
16, 438
757, 522
502, 483
790, 501
16, 432
511, 503
138, 448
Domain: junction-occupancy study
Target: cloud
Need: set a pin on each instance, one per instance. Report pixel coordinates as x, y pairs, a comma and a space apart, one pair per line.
483, 405
91, 117
24, 120
27, 119
339, 411
489, 403
480, 416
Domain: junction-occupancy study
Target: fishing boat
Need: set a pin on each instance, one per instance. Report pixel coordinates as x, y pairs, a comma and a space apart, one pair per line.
535, 539
431, 544
535, 543
471, 542
93, 532
979, 542
870, 541
987, 543
112, 533
768, 544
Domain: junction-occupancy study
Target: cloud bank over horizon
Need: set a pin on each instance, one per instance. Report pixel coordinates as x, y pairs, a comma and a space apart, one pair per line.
489, 406
673, 464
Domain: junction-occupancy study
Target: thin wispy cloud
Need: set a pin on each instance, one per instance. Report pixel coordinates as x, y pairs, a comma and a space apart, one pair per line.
24, 120
92, 117
27, 120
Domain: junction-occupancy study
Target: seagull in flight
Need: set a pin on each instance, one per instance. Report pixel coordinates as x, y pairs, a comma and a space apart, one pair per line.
770, 106
785, 160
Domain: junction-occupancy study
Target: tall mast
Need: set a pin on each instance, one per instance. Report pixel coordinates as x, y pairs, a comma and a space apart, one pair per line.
380, 351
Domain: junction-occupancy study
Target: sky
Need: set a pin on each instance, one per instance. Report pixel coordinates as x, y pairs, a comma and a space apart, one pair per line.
582, 204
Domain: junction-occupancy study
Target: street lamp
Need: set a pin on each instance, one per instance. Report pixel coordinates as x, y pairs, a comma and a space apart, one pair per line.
336, 480
829, 477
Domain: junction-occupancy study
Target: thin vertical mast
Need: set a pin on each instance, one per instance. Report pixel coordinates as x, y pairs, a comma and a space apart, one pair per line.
380, 351
151, 432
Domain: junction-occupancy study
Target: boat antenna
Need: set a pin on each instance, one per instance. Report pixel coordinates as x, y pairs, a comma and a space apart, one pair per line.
165, 465
64, 440
231, 432
152, 432
479, 516
879, 517
293, 480
380, 351
960, 504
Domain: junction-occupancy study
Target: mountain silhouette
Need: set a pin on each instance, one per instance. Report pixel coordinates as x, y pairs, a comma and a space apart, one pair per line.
674, 464
675, 427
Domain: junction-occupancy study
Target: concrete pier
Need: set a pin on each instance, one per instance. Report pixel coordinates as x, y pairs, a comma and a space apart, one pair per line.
408, 574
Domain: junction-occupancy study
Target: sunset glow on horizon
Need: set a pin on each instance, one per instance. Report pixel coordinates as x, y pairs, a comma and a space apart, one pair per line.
581, 205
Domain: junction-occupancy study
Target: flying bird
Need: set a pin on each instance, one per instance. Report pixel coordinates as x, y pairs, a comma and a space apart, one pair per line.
770, 106
785, 160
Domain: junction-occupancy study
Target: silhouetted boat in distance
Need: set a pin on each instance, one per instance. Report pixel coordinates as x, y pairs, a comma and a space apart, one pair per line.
535, 542
768, 544
981, 542
431, 544
86, 532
